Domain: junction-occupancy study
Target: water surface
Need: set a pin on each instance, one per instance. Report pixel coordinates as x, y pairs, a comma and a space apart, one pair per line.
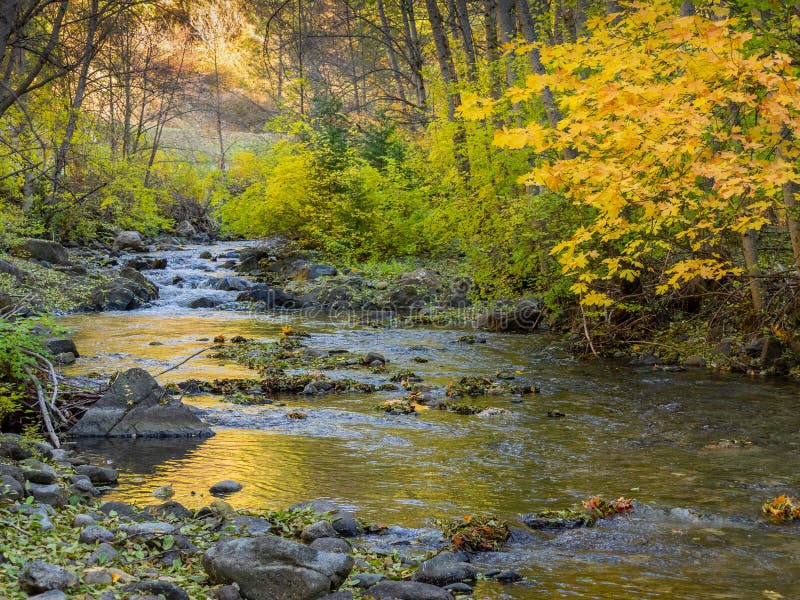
696, 532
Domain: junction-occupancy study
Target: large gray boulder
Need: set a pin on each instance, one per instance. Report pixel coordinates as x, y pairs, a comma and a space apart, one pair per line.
186, 230
136, 406
130, 240
128, 292
444, 569
272, 568
51, 252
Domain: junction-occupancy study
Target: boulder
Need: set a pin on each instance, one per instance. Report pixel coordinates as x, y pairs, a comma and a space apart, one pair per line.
51, 252
47, 494
137, 406
59, 345
10, 489
130, 240
39, 576
95, 533
51, 595
407, 297
315, 531
695, 361
204, 302
11, 269
98, 475
272, 568
119, 508
522, 317
231, 284
336, 297
149, 529
407, 590
38, 472
271, 297
331, 544
104, 553
365, 581
240, 524
444, 569
250, 260
314, 271
186, 229
170, 510
64, 359
127, 292
12, 446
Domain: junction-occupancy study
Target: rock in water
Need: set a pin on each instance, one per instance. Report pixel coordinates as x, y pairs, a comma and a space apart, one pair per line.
407, 590
136, 406
272, 568
444, 569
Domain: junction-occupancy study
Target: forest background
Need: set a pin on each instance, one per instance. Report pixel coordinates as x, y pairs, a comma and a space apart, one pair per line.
632, 164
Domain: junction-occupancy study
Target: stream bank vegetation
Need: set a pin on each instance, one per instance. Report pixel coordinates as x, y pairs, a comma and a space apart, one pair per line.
631, 164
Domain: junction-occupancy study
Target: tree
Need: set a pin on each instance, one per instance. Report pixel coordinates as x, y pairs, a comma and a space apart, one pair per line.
683, 140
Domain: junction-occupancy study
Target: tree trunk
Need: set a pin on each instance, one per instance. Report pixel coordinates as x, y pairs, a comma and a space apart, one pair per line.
750, 253
393, 63
8, 12
466, 36
444, 56
414, 52
529, 33
793, 219
44, 56
687, 8
506, 30
77, 101
492, 45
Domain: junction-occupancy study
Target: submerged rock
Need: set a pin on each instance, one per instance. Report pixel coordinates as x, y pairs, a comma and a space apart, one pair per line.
272, 568
228, 486
136, 406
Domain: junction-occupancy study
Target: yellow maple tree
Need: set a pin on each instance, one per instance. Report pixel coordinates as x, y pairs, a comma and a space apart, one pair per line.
673, 138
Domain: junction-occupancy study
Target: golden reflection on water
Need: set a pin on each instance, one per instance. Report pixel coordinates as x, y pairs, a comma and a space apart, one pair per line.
119, 341
617, 438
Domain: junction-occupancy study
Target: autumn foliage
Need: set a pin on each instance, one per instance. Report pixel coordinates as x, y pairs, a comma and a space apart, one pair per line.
674, 139
782, 508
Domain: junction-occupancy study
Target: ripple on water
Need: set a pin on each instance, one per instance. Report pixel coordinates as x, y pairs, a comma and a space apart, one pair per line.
697, 533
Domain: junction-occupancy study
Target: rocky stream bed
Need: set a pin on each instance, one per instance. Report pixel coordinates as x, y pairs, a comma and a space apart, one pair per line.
312, 385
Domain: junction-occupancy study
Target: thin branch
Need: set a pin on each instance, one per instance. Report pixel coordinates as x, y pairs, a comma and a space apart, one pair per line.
43, 407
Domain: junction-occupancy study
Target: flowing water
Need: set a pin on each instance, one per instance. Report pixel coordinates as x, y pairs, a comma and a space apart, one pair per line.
696, 531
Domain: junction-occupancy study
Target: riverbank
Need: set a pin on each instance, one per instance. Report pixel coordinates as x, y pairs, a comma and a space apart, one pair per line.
700, 450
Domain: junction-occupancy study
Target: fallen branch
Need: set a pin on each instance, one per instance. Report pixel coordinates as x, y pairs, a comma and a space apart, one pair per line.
43, 407
53, 377
198, 353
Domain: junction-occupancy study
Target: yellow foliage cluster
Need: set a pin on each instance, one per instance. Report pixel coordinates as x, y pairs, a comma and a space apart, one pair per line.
673, 137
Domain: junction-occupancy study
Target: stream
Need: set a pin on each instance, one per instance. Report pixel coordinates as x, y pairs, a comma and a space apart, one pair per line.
696, 531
